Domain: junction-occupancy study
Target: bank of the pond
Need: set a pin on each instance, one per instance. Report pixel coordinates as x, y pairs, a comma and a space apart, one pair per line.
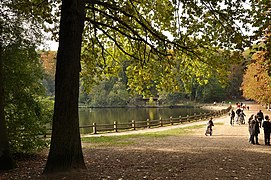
162, 125
105, 118
220, 106
144, 106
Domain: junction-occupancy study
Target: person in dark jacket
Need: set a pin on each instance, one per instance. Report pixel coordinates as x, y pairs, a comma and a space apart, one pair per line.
232, 115
254, 130
242, 117
267, 130
260, 117
250, 118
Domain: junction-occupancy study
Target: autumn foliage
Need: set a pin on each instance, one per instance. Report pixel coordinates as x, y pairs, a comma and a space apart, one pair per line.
256, 81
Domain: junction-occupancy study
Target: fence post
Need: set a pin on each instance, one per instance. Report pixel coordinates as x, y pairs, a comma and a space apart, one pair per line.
94, 128
133, 125
161, 122
188, 119
148, 123
116, 126
195, 116
44, 135
180, 119
170, 119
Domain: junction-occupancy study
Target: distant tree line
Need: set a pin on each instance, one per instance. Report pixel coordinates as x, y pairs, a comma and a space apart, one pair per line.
114, 90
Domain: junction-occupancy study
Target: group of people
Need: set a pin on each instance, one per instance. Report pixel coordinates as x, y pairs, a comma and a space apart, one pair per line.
240, 116
255, 122
242, 106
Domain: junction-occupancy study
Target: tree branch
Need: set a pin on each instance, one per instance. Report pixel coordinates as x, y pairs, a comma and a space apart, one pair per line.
184, 48
129, 28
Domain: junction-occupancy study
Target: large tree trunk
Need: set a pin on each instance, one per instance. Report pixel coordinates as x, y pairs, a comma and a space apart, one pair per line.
6, 161
65, 150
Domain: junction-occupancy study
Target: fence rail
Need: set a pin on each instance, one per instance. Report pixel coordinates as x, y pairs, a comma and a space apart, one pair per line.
134, 125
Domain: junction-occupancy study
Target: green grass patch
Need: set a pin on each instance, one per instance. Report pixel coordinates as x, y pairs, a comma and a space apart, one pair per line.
123, 140
120, 140
107, 140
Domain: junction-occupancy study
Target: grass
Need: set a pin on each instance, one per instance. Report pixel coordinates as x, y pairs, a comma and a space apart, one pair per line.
123, 140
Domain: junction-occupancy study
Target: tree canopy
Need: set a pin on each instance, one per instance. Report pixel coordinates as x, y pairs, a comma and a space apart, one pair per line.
171, 45
21, 30
256, 80
115, 31
161, 43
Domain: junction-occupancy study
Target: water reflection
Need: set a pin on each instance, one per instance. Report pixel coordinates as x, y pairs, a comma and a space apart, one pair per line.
124, 115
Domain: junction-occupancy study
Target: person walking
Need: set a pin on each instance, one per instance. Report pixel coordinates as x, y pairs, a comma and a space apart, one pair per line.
242, 117
238, 111
267, 129
260, 117
250, 128
250, 119
254, 130
232, 115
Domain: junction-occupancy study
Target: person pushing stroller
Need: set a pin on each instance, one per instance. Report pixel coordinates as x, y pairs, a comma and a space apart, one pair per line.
209, 129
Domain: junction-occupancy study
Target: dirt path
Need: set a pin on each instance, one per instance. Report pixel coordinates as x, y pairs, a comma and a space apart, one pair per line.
225, 155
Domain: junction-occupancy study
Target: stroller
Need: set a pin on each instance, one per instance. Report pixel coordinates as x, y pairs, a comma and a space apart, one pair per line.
241, 118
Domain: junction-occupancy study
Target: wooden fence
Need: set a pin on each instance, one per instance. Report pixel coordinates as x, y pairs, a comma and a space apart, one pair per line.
134, 125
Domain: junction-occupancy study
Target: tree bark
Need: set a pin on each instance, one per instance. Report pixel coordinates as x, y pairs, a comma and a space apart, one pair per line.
66, 150
6, 160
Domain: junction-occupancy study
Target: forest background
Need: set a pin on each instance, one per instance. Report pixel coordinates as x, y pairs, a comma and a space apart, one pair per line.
114, 90
123, 57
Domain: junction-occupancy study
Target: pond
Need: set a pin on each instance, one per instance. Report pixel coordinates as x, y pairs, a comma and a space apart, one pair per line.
88, 116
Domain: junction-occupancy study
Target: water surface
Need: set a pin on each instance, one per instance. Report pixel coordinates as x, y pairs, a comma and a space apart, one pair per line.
88, 116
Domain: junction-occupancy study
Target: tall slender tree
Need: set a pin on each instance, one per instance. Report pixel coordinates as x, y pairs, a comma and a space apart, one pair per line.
6, 160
